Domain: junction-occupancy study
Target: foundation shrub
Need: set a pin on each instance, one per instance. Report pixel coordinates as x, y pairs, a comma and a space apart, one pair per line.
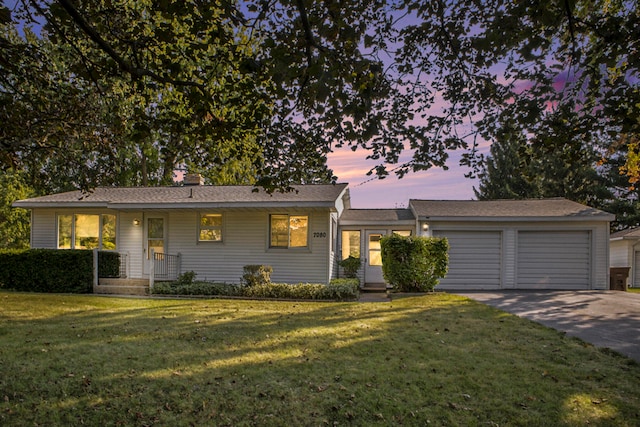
256, 274
350, 266
414, 263
338, 290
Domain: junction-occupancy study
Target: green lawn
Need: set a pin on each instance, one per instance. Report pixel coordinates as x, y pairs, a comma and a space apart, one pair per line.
437, 359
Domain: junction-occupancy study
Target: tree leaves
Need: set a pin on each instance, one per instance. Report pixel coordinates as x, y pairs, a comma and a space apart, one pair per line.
401, 79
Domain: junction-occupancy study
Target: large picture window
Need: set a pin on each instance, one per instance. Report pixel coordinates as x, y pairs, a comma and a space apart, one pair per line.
350, 243
289, 231
210, 228
87, 231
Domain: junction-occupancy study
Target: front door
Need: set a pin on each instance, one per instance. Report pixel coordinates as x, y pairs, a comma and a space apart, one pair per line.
155, 238
373, 267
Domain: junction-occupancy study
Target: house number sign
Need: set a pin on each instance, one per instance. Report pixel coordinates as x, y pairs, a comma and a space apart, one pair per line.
319, 235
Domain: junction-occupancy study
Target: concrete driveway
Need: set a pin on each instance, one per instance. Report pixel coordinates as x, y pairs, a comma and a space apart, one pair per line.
603, 318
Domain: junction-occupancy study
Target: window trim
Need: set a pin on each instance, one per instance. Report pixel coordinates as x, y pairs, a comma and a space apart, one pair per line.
289, 247
72, 236
221, 228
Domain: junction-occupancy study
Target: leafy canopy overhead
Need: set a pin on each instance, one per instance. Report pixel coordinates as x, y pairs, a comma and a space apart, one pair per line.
282, 83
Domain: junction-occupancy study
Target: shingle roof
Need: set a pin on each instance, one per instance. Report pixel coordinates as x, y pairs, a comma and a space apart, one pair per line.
190, 196
503, 209
378, 215
629, 233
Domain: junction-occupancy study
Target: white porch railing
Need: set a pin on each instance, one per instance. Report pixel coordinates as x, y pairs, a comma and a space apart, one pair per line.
163, 267
122, 271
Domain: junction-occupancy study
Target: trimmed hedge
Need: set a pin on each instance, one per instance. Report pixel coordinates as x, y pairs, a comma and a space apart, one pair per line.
47, 270
338, 289
108, 264
414, 263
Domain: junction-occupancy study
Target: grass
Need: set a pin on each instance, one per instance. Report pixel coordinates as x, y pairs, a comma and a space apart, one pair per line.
437, 359
634, 290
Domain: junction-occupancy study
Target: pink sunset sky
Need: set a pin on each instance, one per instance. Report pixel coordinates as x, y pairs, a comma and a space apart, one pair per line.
391, 192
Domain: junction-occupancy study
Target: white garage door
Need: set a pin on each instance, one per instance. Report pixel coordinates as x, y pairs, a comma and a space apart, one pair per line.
554, 260
474, 259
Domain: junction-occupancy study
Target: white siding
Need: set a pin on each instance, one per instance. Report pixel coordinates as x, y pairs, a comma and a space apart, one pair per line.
621, 253
129, 241
246, 241
554, 259
333, 244
475, 259
43, 229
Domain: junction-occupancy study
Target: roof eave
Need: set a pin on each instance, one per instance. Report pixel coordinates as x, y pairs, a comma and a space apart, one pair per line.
602, 217
220, 205
45, 205
394, 222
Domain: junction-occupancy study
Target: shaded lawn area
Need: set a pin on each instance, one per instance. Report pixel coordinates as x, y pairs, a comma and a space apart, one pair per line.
439, 359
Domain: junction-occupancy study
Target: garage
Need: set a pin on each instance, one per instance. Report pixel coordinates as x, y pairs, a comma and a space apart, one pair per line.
519, 244
553, 259
475, 259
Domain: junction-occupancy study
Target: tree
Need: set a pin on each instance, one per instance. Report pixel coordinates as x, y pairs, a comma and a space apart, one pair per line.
14, 222
383, 77
183, 99
550, 164
505, 173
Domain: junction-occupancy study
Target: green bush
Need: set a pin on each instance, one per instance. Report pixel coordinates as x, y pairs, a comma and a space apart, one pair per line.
256, 274
196, 288
340, 290
187, 278
350, 265
47, 270
108, 264
414, 263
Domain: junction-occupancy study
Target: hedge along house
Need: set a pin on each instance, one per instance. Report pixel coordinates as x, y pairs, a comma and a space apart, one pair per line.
216, 230
211, 230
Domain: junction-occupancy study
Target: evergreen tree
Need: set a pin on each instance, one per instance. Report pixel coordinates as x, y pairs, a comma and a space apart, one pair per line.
504, 175
551, 164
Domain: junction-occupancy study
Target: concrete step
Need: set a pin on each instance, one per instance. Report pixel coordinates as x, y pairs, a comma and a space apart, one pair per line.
374, 288
122, 287
120, 290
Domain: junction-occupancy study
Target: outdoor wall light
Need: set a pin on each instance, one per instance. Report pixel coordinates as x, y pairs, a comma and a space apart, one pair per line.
136, 222
425, 226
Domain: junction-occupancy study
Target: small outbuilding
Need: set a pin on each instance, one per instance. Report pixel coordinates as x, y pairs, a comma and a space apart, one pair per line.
625, 253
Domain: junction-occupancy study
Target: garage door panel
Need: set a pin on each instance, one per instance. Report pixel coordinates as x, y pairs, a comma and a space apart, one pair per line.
553, 259
474, 259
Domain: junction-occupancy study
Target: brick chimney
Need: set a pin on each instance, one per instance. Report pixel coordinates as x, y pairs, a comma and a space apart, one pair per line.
192, 179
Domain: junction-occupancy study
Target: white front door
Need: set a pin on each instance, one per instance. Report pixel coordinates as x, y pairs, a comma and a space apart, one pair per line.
155, 238
373, 265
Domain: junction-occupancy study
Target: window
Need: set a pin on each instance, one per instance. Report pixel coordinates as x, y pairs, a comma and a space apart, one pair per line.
86, 231
210, 228
404, 233
289, 231
350, 243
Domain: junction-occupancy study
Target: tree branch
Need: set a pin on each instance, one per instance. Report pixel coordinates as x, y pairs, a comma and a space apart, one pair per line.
135, 72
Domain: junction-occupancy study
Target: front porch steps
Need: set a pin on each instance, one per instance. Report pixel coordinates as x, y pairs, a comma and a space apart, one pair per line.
122, 287
374, 288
